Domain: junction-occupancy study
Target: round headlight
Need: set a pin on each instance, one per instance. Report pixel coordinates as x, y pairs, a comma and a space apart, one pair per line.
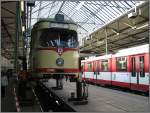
60, 61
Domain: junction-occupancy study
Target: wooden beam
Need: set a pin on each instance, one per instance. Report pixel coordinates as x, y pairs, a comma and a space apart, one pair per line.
3, 24
3, 2
9, 17
8, 11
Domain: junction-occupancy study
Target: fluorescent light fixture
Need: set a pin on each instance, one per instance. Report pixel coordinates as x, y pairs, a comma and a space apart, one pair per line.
100, 42
128, 25
142, 38
135, 27
117, 33
22, 5
143, 26
23, 28
80, 5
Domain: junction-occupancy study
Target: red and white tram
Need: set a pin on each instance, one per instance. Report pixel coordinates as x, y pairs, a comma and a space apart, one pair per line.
129, 68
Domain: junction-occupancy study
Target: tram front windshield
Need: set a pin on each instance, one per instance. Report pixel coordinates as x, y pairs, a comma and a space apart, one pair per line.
58, 38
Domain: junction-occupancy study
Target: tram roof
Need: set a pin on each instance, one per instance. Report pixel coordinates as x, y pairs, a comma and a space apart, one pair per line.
54, 21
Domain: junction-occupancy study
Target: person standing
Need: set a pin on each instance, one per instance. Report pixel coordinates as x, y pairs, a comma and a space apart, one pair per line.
66, 78
4, 83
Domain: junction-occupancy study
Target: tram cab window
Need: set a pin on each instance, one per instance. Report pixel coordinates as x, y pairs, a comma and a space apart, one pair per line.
104, 65
58, 38
122, 64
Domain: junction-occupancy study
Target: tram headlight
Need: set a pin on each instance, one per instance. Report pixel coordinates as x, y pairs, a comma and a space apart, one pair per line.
60, 61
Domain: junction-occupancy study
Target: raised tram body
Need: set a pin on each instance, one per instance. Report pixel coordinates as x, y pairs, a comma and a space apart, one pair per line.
54, 48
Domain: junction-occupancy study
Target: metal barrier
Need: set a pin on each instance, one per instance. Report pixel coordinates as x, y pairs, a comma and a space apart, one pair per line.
50, 101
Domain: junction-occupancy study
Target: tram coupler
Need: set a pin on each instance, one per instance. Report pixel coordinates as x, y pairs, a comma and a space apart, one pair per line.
59, 84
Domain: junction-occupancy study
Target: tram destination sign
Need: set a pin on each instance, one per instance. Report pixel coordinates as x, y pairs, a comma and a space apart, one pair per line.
64, 26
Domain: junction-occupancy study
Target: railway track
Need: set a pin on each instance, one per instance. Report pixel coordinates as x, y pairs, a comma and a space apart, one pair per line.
49, 101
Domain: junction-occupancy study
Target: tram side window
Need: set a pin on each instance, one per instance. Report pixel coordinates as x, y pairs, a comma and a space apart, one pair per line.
122, 64
142, 70
104, 65
133, 67
89, 67
95, 67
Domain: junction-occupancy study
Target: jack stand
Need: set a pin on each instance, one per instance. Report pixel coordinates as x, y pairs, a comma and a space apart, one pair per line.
81, 98
59, 84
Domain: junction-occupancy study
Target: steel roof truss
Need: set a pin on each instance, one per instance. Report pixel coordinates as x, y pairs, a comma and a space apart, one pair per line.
118, 5
123, 3
39, 9
105, 5
111, 10
91, 15
108, 13
94, 14
128, 3
117, 9
77, 24
51, 8
61, 6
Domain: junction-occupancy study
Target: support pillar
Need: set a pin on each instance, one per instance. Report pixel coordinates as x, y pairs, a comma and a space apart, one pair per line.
81, 94
106, 41
17, 37
59, 82
79, 89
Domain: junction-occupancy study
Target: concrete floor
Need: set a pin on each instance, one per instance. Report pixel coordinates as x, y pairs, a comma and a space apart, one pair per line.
8, 103
104, 99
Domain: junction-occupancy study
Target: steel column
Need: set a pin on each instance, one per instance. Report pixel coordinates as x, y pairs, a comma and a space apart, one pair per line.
106, 41
17, 36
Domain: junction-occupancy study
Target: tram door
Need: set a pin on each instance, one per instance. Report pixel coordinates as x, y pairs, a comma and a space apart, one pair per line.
95, 72
137, 71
